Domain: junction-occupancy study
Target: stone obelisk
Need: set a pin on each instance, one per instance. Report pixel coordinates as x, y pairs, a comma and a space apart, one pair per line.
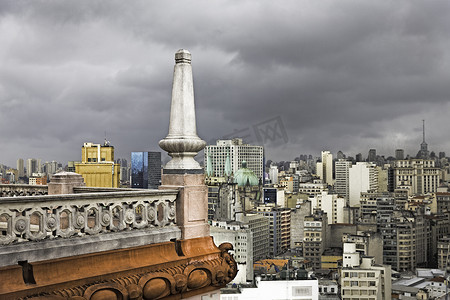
182, 172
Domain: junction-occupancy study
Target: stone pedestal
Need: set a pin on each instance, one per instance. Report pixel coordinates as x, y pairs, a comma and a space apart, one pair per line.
64, 182
192, 203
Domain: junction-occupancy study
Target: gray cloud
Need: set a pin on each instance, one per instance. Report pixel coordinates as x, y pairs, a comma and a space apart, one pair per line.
345, 75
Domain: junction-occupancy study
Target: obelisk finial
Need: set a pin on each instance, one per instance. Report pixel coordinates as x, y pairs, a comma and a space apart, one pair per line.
182, 142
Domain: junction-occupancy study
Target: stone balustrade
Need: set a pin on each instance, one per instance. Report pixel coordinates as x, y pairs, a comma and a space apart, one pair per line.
15, 190
31, 218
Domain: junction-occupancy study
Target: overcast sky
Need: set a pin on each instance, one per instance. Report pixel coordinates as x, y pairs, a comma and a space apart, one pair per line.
326, 75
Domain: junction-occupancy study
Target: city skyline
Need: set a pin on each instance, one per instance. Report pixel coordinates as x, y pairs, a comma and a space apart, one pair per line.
350, 76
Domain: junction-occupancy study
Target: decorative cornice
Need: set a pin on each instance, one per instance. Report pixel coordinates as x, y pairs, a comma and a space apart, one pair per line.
148, 272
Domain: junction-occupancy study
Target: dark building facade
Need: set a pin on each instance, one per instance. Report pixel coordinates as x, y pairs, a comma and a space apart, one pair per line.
145, 170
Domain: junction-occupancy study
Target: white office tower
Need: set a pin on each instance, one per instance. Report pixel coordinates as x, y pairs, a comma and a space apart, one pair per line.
324, 169
332, 204
237, 152
341, 171
273, 174
363, 177
361, 278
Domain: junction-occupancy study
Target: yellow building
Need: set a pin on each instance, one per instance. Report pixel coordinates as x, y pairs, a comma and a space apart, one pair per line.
331, 258
97, 165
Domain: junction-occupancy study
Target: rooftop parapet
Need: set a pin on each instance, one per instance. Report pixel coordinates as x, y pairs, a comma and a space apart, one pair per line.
33, 218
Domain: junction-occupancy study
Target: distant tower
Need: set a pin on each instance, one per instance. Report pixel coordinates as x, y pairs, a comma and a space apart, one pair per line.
324, 169
423, 153
20, 167
399, 154
372, 157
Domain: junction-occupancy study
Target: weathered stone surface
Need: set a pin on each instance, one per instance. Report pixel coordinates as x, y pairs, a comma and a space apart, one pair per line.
182, 142
192, 203
34, 218
17, 190
64, 182
53, 249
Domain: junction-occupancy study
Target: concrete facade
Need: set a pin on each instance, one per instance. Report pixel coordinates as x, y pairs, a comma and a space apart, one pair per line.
242, 238
237, 151
362, 178
341, 184
324, 168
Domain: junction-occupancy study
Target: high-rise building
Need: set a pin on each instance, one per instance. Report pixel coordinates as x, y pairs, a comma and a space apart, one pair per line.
154, 170
236, 151
71, 166
259, 226
443, 250
405, 236
362, 177
420, 175
372, 157
97, 165
315, 237
39, 166
50, 168
361, 278
279, 228
145, 170
241, 237
341, 169
324, 169
273, 174
20, 167
399, 154
31, 166
123, 170
332, 204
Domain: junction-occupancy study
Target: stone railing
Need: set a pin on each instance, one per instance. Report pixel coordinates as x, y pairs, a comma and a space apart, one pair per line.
17, 190
60, 216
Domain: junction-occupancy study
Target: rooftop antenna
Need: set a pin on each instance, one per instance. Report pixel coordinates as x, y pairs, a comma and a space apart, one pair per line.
423, 126
106, 141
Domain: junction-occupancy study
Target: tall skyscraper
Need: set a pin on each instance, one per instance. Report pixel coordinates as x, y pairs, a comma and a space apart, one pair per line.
20, 167
341, 169
372, 157
97, 165
145, 170
236, 151
39, 166
154, 170
31, 166
324, 169
363, 177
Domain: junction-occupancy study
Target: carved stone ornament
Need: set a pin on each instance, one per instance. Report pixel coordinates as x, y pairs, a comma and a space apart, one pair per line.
80, 215
203, 268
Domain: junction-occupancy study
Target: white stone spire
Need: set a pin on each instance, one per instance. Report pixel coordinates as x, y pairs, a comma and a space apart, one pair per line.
182, 142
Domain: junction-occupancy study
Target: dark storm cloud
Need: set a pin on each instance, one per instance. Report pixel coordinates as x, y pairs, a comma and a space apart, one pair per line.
341, 75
